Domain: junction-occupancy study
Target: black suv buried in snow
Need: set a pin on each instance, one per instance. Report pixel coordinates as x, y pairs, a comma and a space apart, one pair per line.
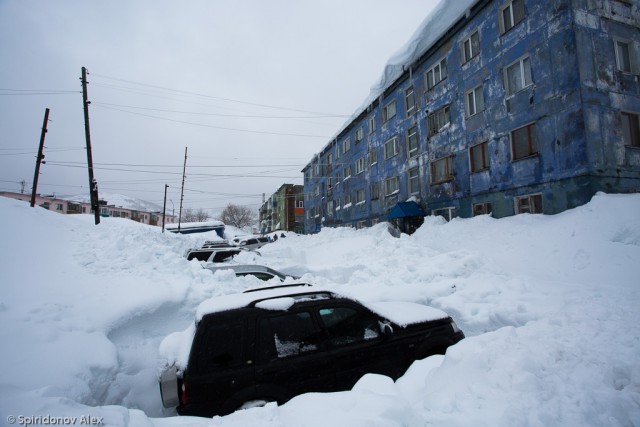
275, 343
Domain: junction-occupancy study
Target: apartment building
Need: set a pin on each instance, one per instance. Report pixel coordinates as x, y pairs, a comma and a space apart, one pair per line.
519, 106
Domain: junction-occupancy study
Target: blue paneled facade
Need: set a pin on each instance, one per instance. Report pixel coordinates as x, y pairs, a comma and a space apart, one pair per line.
522, 106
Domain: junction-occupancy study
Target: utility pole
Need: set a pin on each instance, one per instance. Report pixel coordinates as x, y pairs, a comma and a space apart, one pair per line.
40, 157
164, 208
93, 184
184, 169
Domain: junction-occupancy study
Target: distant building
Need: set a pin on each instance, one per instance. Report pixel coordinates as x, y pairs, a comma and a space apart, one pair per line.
64, 206
283, 210
514, 106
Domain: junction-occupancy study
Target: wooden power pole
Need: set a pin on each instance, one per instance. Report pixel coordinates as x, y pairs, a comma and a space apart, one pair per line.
39, 159
184, 170
93, 184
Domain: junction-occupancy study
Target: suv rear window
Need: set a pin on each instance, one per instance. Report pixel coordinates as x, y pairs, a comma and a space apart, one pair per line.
287, 335
220, 347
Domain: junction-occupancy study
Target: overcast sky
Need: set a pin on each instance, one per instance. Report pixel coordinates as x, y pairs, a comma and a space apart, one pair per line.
252, 88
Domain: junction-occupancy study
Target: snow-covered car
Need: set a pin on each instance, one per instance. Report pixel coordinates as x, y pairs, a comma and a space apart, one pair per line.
260, 271
213, 251
251, 243
275, 343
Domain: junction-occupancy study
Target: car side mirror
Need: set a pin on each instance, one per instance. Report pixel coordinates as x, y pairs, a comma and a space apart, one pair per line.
386, 329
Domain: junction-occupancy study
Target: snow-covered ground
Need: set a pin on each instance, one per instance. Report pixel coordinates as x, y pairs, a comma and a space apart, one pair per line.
550, 306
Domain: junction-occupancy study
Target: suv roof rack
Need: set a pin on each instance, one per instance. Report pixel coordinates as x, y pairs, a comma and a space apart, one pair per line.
291, 285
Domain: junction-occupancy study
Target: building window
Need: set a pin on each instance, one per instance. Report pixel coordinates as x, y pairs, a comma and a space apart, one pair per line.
479, 157
529, 204
391, 148
517, 76
359, 134
410, 101
347, 200
471, 47
59, 207
524, 142
330, 208
412, 141
631, 129
317, 191
347, 172
437, 73
360, 165
330, 182
337, 151
482, 209
442, 170
438, 120
447, 213
373, 156
316, 170
300, 204
361, 224
375, 190
474, 101
511, 14
389, 111
372, 125
414, 181
624, 55
391, 186
346, 145
360, 196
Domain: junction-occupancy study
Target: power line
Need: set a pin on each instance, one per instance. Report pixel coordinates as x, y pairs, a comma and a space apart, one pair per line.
261, 116
212, 97
213, 126
28, 92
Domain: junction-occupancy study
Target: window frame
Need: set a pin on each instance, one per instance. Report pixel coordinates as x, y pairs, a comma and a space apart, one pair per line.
532, 142
413, 181
396, 148
360, 165
395, 188
468, 103
485, 159
534, 197
510, 6
631, 58
448, 161
347, 172
522, 74
410, 101
434, 117
439, 65
372, 124
361, 196
473, 53
346, 145
359, 136
374, 188
413, 137
373, 156
385, 111
485, 209
630, 129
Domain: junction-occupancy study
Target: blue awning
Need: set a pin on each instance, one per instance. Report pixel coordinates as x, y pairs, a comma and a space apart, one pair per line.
405, 209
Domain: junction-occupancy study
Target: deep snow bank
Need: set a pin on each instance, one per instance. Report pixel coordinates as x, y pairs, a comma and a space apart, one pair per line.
548, 303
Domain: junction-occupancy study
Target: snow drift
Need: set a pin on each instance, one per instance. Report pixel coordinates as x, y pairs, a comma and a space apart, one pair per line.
549, 305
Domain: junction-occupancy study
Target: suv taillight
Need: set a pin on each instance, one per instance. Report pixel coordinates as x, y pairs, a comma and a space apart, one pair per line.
183, 392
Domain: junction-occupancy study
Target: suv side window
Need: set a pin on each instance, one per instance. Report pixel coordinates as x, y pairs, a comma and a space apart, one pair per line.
287, 335
346, 325
221, 347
